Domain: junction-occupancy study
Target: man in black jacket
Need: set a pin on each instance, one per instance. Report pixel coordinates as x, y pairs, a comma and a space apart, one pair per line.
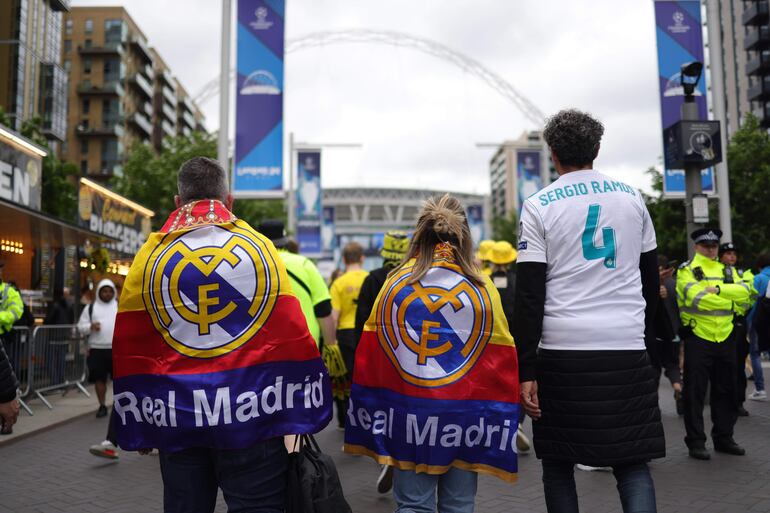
9, 404
394, 248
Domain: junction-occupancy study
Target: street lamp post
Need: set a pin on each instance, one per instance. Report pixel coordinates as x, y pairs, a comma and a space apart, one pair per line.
223, 143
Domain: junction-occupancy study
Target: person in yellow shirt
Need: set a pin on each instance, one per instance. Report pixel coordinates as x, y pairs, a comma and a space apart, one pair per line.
344, 292
482, 256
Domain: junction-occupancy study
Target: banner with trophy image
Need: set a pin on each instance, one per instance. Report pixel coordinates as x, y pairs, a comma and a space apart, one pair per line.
309, 209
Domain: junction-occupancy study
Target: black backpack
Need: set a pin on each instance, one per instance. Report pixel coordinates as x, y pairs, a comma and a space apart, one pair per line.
312, 484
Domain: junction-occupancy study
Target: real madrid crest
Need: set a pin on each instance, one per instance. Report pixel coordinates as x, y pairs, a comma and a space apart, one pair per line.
434, 330
210, 290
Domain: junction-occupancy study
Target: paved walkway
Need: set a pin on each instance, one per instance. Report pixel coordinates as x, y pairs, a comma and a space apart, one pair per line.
52, 472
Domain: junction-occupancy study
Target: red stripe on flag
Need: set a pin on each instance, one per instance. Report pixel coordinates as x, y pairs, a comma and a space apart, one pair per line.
486, 381
138, 348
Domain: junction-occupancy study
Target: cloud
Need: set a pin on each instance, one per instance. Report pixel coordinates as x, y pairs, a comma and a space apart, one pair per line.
419, 117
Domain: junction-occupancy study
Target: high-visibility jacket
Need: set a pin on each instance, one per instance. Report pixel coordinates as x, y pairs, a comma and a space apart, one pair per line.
11, 307
709, 315
747, 277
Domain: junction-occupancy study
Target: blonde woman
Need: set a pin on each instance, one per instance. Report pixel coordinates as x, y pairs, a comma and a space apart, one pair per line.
435, 385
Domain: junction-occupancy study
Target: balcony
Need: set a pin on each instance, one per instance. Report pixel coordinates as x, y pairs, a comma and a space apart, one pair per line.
60, 5
187, 119
757, 14
109, 89
147, 109
138, 120
110, 128
140, 45
142, 85
113, 49
169, 95
759, 64
760, 90
164, 77
168, 129
188, 104
168, 113
757, 39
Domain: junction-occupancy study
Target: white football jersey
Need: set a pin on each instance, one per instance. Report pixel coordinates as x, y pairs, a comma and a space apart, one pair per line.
590, 230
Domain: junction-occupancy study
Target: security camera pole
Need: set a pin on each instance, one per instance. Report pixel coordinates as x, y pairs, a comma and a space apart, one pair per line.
693, 144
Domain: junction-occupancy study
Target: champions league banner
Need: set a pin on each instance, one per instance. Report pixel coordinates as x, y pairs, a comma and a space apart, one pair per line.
435, 381
211, 348
475, 216
680, 40
258, 166
309, 202
528, 177
328, 233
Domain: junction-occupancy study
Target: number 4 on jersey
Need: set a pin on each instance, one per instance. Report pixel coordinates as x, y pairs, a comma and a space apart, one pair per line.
590, 250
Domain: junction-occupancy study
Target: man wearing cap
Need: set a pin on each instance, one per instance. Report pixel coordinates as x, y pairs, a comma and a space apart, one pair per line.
707, 305
728, 255
306, 283
394, 247
11, 309
482, 255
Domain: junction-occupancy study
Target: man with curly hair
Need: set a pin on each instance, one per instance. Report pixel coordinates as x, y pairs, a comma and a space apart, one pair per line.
586, 292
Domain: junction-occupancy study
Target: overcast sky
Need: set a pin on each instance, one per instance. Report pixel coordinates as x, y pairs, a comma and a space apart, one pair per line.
418, 117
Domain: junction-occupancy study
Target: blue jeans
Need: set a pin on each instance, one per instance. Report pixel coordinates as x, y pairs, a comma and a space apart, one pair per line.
253, 480
416, 493
756, 361
635, 486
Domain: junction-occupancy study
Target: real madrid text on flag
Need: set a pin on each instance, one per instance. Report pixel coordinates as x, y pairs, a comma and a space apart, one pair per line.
211, 348
436, 382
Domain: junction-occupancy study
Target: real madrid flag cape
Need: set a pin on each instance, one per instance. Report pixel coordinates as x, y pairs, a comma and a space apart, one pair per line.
435, 381
211, 348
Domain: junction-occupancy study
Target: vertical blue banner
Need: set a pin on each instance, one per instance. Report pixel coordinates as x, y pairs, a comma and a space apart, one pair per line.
528, 176
680, 40
475, 216
258, 163
309, 202
328, 234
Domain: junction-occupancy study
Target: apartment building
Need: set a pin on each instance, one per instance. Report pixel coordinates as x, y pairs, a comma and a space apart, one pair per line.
121, 91
32, 82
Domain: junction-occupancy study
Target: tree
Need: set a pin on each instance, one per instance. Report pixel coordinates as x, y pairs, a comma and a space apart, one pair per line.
748, 159
506, 227
151, 179
668, 217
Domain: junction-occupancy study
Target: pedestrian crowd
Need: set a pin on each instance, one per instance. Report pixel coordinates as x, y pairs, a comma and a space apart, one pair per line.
217, 340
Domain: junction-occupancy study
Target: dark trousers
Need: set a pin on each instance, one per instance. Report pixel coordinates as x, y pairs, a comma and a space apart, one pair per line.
112, 428
347, 342
664, 358
634, 482
253, 480
741, 353
706, 362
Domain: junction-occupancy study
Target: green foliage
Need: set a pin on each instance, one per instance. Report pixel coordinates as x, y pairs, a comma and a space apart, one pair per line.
506, 227
668, 217
150, 179
5, 119
59, 191
748, 158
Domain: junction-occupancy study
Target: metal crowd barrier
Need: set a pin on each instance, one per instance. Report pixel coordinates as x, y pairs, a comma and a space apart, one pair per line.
18, 347
57, 360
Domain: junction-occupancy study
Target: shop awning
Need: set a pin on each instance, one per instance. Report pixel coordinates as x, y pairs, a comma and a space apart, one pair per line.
35, 229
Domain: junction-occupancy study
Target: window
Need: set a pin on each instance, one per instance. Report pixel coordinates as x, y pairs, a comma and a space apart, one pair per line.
86, 106
68, 27
89, 26
67, 64
84, 125
67, 45
84, 167
87, 65
84, 146
113, 32
88, 43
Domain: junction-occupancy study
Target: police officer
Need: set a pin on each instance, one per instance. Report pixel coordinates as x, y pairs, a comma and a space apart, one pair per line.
728, 255
11, 310
707, 305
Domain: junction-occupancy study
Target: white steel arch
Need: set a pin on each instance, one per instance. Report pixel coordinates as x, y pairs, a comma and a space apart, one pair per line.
400, 39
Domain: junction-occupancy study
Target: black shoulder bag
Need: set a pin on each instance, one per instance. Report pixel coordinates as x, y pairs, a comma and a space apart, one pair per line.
312, 484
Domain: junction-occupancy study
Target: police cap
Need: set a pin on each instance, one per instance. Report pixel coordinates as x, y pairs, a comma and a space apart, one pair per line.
707, 236
727, 246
